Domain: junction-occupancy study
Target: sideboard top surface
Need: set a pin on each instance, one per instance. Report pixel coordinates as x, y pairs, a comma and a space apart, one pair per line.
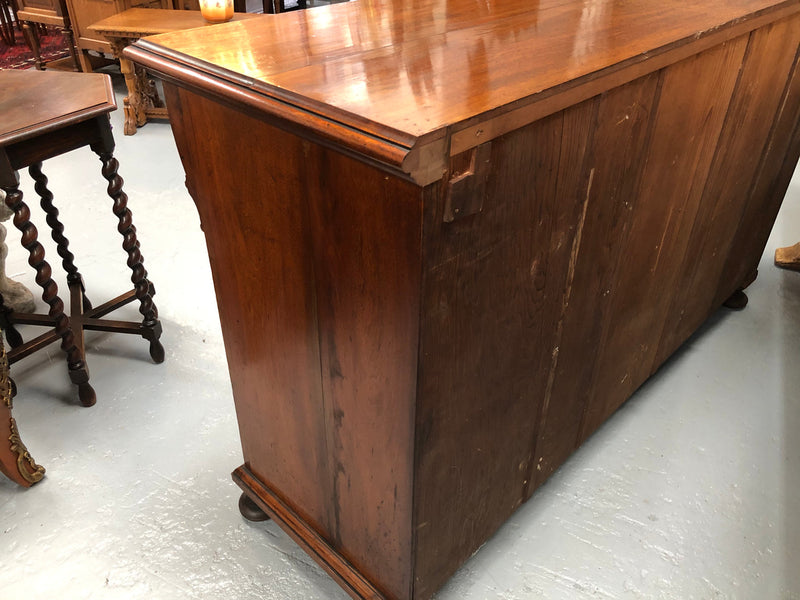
409, 70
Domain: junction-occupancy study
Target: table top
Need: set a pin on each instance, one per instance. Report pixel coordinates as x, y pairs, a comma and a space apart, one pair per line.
34, 102
408, 74
139, 22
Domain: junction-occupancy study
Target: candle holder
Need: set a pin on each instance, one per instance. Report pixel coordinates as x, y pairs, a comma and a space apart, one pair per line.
216, 11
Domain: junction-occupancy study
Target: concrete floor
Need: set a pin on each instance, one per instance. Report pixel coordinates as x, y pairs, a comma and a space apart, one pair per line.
692, 490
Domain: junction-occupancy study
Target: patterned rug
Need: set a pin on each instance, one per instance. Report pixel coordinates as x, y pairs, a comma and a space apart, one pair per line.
53, 46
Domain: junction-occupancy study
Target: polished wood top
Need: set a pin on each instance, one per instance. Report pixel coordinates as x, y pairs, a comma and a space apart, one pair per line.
150, 21
406, 71
34, 102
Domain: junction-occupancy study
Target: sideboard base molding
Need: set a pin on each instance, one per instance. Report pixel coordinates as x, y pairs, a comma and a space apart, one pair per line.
338, 567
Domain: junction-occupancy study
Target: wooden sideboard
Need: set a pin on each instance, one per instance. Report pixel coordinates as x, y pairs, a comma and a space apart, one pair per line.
450, 240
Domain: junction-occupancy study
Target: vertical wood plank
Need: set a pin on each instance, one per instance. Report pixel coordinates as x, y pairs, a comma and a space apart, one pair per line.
271, 339
775, 171
322, 354
612, 164
366, 234
676, 163
482, 332
569, 202
756, 99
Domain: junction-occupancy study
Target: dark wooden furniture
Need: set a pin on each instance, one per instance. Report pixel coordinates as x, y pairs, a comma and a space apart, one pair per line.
8, 19
16, 462
143, 101
47, 113
470, 232
53, 13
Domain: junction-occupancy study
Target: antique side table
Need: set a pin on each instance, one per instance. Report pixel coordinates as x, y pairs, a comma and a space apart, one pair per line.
122, 29
45, 114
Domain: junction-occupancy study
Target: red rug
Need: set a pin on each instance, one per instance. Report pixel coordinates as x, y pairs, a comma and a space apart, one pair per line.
53, 46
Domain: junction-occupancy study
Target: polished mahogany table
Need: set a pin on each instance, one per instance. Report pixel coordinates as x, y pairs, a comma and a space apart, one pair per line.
450, 238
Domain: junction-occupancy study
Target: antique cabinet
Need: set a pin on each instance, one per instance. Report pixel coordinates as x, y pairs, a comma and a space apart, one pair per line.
450, 239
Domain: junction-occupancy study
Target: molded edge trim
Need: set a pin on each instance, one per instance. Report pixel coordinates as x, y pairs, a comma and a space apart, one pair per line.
345, 574
321, 123
110, 105
522, 112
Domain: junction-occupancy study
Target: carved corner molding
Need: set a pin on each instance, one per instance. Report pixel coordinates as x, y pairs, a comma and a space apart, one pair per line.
15, 460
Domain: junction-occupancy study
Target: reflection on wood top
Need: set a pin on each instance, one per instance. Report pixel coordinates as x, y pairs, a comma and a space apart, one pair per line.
416, 67
142, 21
34, 102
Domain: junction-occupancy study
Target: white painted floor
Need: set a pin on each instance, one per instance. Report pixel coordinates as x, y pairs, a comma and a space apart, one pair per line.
692, 490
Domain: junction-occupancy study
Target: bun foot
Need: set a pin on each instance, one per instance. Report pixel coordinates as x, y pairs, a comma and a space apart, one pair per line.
86, 394
250, 510
157, 351
737, 301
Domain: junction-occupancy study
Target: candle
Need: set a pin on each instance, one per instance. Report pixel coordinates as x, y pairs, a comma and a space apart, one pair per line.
216, 11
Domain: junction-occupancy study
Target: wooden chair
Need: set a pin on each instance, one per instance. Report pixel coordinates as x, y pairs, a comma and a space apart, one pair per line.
36, 15
8, 18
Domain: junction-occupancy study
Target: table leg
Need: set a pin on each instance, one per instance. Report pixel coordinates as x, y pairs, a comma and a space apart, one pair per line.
132, 103
16, 462
151, 326
148, 92
84, 61
57, 231
32, 38
78, 371
73, 49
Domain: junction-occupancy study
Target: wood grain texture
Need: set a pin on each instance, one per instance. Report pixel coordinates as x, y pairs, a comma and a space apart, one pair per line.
383, 68
151, 21
658, 218
412, 356
742, 143
398, 54
775, 171
324, 362
51, 102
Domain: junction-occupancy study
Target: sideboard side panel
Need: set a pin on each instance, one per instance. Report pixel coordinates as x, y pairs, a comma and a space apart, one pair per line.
262, 265
494, 285
316, 265
767, 67
366, 236
694, 98
613, 167
777, 166
544, 311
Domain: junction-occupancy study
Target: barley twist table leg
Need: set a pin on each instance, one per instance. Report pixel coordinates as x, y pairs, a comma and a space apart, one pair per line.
78, 371
151, 327
57, 231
